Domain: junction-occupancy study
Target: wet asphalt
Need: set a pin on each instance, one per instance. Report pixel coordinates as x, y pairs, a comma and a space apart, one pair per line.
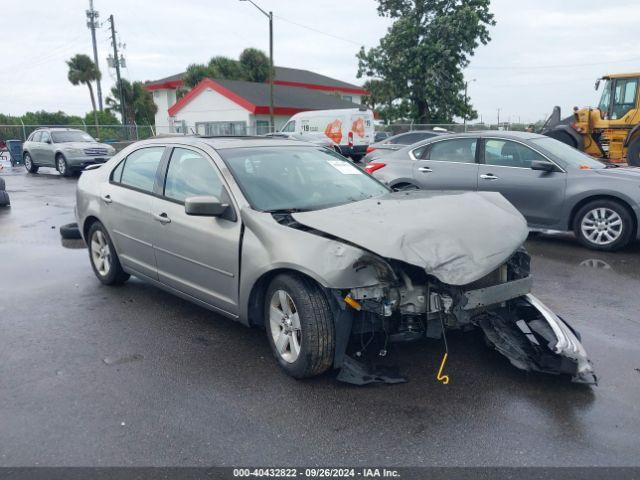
103, 376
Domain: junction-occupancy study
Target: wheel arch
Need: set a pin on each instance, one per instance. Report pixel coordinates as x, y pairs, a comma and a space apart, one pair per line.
90, 220
582, 202
255, 301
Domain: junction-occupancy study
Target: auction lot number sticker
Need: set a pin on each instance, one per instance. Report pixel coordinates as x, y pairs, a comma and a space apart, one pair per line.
315, 473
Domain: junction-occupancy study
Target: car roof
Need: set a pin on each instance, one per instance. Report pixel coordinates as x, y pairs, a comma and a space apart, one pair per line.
220, 143
60, 129
506, 134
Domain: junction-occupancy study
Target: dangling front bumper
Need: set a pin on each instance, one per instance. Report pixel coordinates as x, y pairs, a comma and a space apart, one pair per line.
534, 338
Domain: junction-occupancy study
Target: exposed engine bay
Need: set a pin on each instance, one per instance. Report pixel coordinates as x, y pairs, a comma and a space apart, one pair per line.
411, 305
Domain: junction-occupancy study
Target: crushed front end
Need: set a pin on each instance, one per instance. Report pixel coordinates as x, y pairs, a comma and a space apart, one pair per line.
409, 304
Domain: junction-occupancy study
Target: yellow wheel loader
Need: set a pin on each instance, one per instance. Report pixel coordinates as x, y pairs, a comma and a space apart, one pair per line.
612, 130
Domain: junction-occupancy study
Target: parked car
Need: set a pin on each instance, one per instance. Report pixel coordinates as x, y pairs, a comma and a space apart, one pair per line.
67, 149
318, 139
396, 142
350, 129
380, 136
294, 238
554, 186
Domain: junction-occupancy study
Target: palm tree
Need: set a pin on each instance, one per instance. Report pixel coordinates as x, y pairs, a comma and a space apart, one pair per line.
83, 70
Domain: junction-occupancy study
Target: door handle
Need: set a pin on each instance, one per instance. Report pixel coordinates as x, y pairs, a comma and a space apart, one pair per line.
107, 198
162, 218
488, 176
425, 169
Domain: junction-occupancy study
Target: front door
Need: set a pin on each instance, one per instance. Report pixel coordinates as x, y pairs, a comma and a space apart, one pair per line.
447, 165
506, 168
45, 150
196, 255
126, 203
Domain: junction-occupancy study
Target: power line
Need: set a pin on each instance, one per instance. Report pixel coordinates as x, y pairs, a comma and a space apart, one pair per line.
317, 31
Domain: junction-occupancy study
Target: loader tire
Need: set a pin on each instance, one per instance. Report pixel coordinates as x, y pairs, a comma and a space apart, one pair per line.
633, 152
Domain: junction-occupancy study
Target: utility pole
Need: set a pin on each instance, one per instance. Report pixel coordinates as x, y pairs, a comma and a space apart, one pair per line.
466, 102
269, 15
498, 119
273, 125
92, 17
116, 60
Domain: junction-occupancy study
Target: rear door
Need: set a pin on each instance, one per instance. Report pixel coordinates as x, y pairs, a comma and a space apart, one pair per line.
447, 164
196, 255
127, 201
361, 124
506, 168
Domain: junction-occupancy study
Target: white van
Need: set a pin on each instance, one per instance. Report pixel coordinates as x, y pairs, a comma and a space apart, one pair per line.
350, 129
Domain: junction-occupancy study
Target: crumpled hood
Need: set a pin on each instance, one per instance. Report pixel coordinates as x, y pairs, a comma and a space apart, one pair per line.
458, 237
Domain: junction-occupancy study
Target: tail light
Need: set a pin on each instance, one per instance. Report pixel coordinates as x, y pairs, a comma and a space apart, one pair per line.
370, 149
373, 166
350, 139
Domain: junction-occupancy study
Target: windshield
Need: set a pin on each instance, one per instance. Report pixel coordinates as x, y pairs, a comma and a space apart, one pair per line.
568, 156
71, 136
298, 178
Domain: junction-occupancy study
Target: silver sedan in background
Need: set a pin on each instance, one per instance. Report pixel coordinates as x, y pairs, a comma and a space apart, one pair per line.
553, 185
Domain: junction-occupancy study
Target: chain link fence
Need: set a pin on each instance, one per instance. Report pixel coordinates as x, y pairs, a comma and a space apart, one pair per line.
105, 133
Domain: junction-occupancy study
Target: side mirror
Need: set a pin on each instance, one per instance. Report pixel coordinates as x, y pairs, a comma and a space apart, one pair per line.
205, 206
543, 165
48, 141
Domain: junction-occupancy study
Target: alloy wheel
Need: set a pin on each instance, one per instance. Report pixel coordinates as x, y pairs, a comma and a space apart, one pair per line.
27, 162
100, 253
62, 166
284, 324
602, 226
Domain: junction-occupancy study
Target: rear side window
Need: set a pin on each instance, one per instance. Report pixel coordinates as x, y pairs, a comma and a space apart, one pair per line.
139, 169
460, 150
191, 174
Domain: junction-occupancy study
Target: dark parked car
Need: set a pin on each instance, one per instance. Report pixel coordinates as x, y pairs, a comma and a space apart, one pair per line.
396, 142
294, 238
554, 186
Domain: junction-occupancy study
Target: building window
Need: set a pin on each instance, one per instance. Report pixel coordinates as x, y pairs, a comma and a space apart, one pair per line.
348, 98
262, 127
217, 129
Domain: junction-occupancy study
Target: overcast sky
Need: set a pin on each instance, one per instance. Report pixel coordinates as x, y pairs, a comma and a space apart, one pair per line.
542, 53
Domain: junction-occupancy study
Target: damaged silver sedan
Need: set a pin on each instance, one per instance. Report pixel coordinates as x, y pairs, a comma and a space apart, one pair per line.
293, 238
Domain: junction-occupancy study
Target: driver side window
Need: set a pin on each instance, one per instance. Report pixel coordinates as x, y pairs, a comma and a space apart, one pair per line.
503, 153
191, 174
45, 137
290, 127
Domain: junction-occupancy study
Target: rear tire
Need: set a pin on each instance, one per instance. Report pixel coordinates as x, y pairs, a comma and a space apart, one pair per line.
633, 152
299, 324
28, 163
103, 256
604, 225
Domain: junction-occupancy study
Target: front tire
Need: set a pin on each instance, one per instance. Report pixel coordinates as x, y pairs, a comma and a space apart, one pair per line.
299, 325
28, 163
103, 256
62, 166
633, 153
604, 225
